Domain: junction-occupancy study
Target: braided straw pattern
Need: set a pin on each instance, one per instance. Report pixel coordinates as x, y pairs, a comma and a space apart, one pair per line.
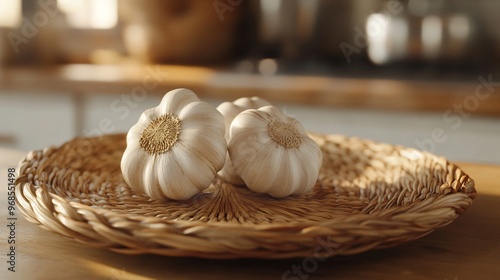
368, 195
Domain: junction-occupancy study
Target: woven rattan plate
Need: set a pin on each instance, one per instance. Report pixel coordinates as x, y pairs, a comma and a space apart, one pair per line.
368, 195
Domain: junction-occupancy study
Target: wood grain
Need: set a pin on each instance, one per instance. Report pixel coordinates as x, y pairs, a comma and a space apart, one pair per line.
469, 248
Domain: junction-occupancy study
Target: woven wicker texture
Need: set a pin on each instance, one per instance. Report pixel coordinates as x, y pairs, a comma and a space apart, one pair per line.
368, 195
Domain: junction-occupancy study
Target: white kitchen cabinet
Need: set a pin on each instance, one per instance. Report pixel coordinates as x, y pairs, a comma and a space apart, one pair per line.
36, 120
32, 121
470, 138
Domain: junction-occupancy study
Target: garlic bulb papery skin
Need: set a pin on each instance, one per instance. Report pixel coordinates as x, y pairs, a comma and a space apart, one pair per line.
230, 110
175, 149
253, 102
272, 152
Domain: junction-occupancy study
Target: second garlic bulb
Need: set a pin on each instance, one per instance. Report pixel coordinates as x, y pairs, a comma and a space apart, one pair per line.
230, 110
272, 152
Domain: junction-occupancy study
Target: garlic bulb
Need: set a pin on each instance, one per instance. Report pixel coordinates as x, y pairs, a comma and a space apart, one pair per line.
230, 110
254, 102
273, 153
176, 148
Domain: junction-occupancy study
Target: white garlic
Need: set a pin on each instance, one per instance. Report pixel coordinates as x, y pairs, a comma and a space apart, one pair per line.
175, 149
230, 110
254, 102
273, 153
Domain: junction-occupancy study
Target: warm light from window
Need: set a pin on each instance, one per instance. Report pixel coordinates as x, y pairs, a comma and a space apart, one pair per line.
99, 14
10, 13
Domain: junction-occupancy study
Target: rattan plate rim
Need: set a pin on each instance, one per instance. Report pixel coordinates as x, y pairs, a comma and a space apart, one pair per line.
132, 233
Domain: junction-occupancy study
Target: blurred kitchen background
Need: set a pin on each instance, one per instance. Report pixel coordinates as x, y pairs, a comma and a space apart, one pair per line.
418, 73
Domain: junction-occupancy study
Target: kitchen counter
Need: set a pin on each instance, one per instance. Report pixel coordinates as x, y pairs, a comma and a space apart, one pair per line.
217, 83
76, 100
468, 248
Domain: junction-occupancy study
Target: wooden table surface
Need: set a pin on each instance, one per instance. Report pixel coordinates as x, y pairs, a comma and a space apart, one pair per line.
469, 248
